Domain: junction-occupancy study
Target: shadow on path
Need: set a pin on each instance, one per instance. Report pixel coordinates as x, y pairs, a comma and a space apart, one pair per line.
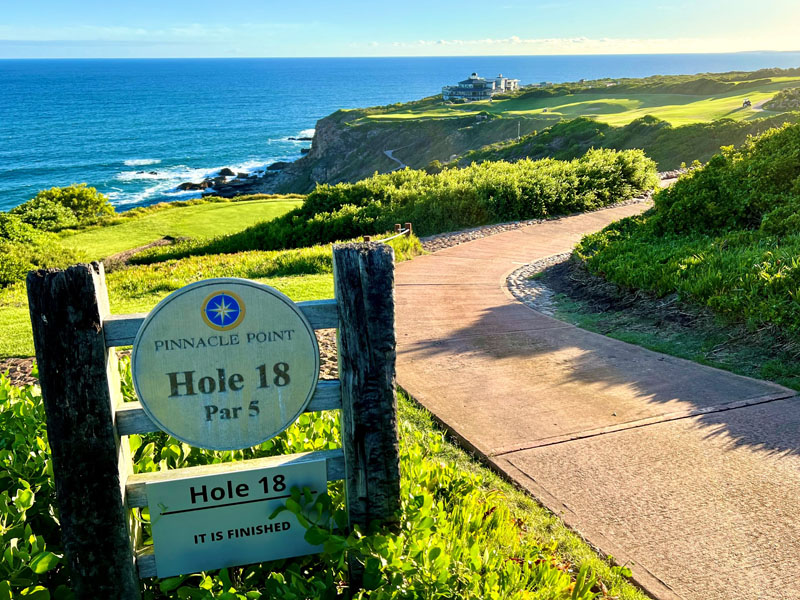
512, 378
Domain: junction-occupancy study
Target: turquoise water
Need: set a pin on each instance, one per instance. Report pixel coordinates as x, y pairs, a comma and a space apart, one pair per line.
135, 129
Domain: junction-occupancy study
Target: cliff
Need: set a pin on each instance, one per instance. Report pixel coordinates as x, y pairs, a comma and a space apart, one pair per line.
348, 146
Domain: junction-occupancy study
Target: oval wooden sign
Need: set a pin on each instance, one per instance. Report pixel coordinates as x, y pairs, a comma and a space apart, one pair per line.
225, 363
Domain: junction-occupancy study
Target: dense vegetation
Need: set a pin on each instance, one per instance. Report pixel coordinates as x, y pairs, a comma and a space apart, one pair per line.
24, 248
445, 201
88, 228
59, 208
785, 100
725, 236
25, 239
669, 146
461, 536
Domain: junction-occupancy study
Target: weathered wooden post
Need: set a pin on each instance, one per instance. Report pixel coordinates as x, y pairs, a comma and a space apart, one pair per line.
398, 228
80, 389
409, 229
364, 290
363, 277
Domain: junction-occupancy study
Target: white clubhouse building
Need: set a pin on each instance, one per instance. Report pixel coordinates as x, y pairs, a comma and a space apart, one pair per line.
478, 88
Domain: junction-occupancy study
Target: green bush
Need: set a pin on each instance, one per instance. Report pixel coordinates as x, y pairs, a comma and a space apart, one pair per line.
669, 146
85, 203
755, 186
14, 229
785, 100
45, 214
725, 236
453, 199
24, 248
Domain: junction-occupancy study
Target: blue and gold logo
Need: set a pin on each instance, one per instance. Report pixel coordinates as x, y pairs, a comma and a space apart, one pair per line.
223, 310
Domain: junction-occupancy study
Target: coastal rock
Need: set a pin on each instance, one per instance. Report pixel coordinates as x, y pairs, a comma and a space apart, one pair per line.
242, 175
277, 166
300, 139
192, 186
226, 172
305, 150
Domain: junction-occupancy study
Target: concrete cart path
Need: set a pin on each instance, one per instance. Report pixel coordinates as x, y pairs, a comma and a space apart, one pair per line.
689, 473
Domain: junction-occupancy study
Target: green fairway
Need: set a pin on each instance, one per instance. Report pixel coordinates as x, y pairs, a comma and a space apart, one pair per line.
200, 220
611, 108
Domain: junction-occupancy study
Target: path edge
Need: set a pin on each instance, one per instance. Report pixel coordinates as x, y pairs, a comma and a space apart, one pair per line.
646, 581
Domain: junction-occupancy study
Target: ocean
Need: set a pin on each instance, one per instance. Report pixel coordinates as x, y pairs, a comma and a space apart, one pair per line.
135, 129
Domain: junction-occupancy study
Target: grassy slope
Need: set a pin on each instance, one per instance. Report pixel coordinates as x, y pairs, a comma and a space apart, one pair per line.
724, 237
200, 220
669, 146
541, 525
303, 274
610, 107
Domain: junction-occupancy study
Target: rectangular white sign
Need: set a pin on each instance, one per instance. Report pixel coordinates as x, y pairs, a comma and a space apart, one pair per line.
215, 521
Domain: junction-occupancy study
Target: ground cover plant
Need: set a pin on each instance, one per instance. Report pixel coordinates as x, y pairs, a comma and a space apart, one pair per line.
669, 325
464, 534
445, 201
725, 236
24, 248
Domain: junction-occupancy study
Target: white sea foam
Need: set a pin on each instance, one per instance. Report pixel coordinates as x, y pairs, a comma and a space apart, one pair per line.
141, 162
161, 184
307, 133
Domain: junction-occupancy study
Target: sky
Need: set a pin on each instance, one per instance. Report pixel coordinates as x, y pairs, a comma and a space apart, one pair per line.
335, 28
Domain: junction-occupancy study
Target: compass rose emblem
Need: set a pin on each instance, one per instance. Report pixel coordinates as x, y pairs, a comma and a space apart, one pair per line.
223, 310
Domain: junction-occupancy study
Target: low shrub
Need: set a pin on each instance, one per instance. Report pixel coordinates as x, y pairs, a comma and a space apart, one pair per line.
757, 185
45, 214
24, 248
449, 200
86, 203
724, 236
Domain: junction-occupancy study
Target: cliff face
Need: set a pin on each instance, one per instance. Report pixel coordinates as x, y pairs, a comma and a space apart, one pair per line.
347, 146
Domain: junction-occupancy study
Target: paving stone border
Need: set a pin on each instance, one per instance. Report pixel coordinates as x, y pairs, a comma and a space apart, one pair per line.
532, 292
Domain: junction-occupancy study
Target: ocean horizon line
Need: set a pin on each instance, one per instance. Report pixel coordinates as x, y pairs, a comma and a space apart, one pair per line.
396, 56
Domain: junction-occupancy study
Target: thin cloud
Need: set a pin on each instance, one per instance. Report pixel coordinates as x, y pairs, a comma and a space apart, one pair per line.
583, 45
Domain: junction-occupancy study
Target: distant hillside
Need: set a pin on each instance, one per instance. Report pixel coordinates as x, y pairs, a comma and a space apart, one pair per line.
674, 118
669, 146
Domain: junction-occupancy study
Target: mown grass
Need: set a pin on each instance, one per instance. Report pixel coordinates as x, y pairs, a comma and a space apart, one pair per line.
610, 106
201, 220
301, 274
